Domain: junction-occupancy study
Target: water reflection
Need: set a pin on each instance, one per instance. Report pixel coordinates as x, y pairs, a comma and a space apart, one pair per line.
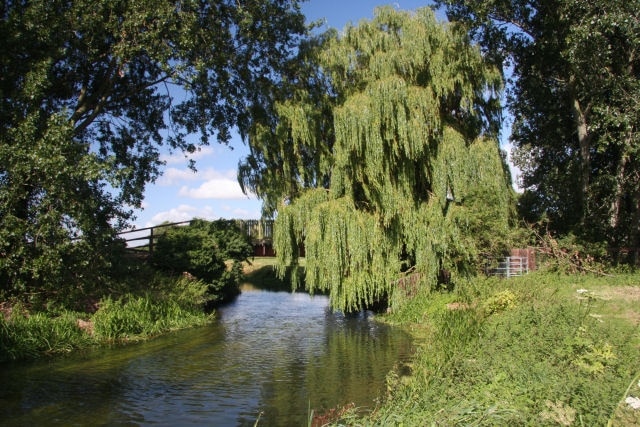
272, 353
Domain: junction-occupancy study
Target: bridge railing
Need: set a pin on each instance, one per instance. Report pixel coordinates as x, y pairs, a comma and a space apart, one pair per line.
143, 239
258, 230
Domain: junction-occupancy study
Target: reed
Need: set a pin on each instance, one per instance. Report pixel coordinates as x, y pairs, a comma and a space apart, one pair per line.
134, 317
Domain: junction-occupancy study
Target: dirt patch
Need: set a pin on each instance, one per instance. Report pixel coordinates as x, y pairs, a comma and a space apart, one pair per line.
85, 325
5, 310
460, 306
628, 293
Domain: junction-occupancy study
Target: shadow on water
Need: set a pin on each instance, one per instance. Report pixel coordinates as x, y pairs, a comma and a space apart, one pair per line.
262, 275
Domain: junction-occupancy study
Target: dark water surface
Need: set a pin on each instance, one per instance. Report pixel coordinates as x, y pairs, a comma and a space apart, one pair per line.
270, 355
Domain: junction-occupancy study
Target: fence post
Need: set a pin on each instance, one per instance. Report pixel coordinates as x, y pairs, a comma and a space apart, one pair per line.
151, 242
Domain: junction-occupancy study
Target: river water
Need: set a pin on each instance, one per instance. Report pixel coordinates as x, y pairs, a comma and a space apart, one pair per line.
269, 357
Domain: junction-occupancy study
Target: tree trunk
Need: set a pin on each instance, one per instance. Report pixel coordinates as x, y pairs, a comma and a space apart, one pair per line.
584, 143
616, 203
635, 226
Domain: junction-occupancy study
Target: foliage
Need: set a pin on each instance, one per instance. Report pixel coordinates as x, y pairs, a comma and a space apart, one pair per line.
574, 92
261, 273
202, 250
401, 166
146, 306
501, 301
135, 317
26, 337
93, 91
556, 356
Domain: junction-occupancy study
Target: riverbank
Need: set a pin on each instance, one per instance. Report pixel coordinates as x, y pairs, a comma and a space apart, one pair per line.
126, 315
543, 349
147, 305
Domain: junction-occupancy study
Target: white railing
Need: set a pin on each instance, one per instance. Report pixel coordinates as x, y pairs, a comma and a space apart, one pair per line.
510, 266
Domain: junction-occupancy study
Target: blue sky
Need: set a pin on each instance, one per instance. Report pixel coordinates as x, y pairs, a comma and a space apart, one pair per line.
213, 192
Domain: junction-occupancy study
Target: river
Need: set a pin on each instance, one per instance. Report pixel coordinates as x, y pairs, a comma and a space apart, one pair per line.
269, 357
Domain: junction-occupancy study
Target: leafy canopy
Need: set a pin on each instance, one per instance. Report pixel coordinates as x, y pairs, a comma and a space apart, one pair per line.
574, 99
388, 158
92, 91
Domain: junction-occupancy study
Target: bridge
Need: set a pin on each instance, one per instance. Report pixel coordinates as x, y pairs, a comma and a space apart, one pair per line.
260, 231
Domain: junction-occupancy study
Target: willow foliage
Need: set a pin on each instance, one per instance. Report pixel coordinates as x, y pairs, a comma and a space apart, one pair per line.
416, 181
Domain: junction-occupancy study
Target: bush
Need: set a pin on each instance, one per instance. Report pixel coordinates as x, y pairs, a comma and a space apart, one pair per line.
209, 251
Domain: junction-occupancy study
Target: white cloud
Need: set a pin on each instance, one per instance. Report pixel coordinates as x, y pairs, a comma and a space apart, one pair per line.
215, 188
240, 213
173, 176
182, 213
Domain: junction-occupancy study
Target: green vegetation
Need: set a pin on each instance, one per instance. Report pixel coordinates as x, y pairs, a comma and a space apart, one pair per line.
193, 268
575, 68
262, 273
212, 251
397, 166
27, 337
146, 305
88, 103
378, 151
543, 349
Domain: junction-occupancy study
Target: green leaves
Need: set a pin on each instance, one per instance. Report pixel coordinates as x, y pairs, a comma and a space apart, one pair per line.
410, 125
91, 93
574, 100
202, 250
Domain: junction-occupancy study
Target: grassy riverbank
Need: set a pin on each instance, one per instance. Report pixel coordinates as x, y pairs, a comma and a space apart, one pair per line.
543, 349
145, 305
125, 315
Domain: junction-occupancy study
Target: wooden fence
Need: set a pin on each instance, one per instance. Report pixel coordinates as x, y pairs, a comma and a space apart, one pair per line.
260, 231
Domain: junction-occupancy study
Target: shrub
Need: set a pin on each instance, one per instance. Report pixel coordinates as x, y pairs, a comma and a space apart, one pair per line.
499, 302
201, 250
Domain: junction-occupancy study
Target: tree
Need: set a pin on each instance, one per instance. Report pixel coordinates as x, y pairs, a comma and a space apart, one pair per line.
90, 92
392, 166
574, 100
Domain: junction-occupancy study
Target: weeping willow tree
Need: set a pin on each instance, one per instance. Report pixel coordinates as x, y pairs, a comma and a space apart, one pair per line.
391, 165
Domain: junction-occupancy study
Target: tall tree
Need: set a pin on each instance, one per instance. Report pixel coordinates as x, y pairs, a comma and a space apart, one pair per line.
393, 166
574, 100
90, 91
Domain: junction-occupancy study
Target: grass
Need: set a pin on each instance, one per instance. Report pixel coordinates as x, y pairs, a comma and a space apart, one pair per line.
145, 305
28, 337
543, 349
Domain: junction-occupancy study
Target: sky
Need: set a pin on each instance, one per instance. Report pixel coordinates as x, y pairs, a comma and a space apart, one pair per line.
213, 191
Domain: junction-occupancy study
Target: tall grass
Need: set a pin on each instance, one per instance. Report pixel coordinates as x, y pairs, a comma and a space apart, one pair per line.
27, 337
160, 305
137, 317
526, 351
